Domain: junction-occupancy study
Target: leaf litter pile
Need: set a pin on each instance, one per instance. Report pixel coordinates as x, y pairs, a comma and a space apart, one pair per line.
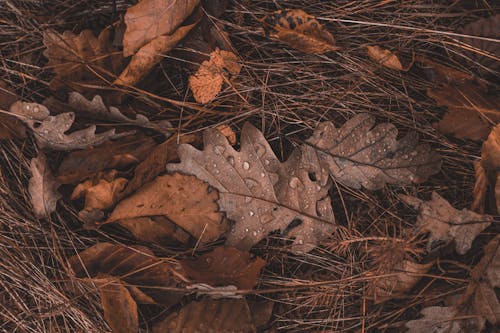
249, 166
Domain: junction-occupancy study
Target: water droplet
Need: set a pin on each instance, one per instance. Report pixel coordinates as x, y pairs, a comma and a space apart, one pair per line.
262, 175
260, 150
294, 182
219, 149
230, 160
267, 162
248, 199
215, 165
246, 229
28, 107
254, 233
36, 109
209, 260
246, 165
301, 241
251, 213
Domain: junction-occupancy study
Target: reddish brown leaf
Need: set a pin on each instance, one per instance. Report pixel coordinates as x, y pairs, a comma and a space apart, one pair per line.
120, 309
155, 229
225, 266
10, 127
385, 58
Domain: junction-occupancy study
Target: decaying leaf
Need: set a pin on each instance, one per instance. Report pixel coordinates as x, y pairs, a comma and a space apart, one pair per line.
225, 266
120, 309
145, 276
50, 131
299, 30
10, 127
97, 109
359, 155
185, 200
437, 319
445, 223
207, 82
42, 187
155, 229
258, 192
150, 19
223, 315
385, 58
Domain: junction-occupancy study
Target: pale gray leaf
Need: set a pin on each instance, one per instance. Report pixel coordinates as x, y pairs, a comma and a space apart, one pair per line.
42, 187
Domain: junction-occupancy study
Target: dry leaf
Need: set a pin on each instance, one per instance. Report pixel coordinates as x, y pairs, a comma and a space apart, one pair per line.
299, 30
50, 130
445, 223
207, 82
120, 309
185, 200
437, 319
155, 229
150, 19
10, 127
480, 188
258, 192
42, 187
359, 155
122, 153
442, 74
225, 266
221, 316
385, 58
261, 310
145, 276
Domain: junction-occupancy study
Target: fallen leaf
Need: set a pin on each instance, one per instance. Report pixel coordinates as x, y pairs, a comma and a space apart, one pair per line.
447, 224
50, 130
185, 200
155, 229
480, 188
471, 112
207, 82
224, 316
118, 154
358, 155
299, 30
120, 309
225, 266
10, 127
42, 187
147, 277
442, 74
150, 19
437, 319
228, 132
385, 58
261, 310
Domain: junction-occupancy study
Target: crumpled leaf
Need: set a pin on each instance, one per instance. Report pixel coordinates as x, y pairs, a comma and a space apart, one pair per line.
10, 127
120, 309
150, 19
385, 58
359, 155
42, 187
224, 316
207, 82
97, 109
82, 58
299, 30
258, 192
445, 223
155, 229
437, 319
185, 200
50, 131
145, 276
225, 266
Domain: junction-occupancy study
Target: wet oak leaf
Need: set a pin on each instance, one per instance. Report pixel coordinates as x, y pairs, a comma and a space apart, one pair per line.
222, 316
207, 82
447, 224
185, 200
299, 30
50, 131
258, 192
360, 155
120, 309
42, 187
385, 57
145, 276
225, 266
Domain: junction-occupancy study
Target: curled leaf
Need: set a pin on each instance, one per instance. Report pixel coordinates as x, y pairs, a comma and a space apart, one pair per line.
42, 187
299, 30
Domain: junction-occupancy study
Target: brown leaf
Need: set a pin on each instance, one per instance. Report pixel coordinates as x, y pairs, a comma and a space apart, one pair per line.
385, 58
120, 309
155, 229
82, 58
359, 155
222, 316
437, 319
10, 127
261, 310
152, 53
207, 82
299, 30
480, 188
185, 200
50, 131
471, 113
42, 187
81, 164
445, 223
442, 74
225, 266
146, 276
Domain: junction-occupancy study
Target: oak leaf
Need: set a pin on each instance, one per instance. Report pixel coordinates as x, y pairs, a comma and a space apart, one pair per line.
207, 82
150, 19
447, 224
385, 57
185, 200
10, 127
224, 316
42, 187
120, 309
225, 266
299, 30
50, 131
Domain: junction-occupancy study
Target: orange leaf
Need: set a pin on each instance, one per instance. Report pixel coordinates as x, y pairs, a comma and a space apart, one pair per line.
385, 58
120, 309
